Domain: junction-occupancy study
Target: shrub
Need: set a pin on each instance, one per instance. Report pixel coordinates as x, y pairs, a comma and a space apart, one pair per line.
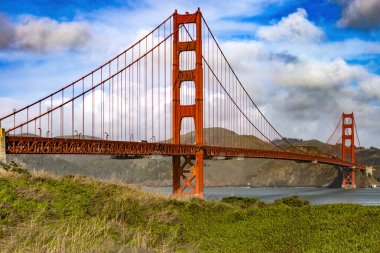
294, 201
243, 202
14, 167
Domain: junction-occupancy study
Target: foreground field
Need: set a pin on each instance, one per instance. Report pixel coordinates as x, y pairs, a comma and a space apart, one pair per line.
78, 214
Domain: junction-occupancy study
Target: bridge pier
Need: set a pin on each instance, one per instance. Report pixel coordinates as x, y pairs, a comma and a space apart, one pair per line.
348, 181
3, 156
369, 170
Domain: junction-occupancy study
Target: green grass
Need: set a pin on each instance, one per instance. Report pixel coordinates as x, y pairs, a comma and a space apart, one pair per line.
78, 214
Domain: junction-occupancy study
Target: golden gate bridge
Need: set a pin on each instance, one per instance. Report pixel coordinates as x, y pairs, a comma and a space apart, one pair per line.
172, 93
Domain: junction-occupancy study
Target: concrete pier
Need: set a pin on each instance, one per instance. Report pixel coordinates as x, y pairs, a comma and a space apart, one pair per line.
369, 170
3, 157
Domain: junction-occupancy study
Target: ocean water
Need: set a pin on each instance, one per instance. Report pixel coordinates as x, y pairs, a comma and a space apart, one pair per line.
316, 196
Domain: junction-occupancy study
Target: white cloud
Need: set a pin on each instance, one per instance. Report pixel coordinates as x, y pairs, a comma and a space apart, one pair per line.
302, 95
329, 50
371, 87
45, 34
260, 64
42, 34
7, 33
360, 13
294, 28
315, 74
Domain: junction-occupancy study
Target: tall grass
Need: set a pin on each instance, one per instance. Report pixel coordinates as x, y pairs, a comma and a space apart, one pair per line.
41, 213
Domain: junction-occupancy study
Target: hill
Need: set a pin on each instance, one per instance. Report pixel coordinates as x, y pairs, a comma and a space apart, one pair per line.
254, 172
42, 213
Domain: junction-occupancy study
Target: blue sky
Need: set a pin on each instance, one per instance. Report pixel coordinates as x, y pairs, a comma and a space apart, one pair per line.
304, 62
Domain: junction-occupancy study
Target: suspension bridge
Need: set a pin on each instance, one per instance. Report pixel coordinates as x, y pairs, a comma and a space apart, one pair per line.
172, 93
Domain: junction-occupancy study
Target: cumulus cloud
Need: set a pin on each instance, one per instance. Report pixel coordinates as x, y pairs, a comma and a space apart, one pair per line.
258, 62
7, 31
42, 34
360, 13
45, 34
302, 95
316, 74
349, 49
294, 28
371, 87
285, 57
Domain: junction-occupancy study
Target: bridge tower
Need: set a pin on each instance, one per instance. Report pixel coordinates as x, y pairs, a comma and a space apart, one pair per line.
188, 176
348, 149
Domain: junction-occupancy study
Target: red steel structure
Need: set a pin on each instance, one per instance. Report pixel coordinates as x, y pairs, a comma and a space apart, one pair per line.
185, 172
343, 141
348, 149
172, 93
37, 145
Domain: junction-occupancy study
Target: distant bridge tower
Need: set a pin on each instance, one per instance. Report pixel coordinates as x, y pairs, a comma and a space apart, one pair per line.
187, 176
348, 149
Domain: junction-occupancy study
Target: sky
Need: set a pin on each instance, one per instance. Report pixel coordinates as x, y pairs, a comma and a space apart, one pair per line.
303, 62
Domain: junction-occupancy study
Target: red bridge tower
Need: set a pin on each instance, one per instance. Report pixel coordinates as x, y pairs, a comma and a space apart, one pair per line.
348, 149
187, 176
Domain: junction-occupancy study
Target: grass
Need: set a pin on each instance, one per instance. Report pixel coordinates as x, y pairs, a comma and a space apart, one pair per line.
41, 213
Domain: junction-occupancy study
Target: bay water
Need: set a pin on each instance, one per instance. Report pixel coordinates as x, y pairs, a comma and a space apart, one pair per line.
316, 196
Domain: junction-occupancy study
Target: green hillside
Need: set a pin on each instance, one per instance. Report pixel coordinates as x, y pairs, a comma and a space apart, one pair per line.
41, 213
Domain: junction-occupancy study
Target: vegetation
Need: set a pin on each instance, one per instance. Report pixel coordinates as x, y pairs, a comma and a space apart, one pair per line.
101, 167
39, 212
293, 201
243, 202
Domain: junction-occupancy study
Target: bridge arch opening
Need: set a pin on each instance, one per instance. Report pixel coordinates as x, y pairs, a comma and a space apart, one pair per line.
187, 93
187, 60
187, 32
187, 131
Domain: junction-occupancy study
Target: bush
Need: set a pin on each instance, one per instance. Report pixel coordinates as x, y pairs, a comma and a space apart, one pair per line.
293, 201
243, 202
14, 167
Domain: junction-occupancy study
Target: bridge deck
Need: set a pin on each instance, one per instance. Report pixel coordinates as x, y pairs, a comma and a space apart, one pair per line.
38, 145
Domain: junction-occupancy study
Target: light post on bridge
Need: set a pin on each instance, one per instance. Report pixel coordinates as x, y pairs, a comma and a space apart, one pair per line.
48, 131
14, 119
